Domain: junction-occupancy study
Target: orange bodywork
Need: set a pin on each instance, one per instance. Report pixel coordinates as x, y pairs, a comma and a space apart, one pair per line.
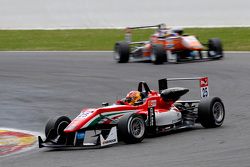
147, 50
173, 43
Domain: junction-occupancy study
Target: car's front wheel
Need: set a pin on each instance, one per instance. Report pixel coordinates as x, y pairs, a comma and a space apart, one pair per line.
55, 127
215, 50
132, 128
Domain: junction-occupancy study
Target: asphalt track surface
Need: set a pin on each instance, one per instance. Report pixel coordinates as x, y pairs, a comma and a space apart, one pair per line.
36, 86
30, 14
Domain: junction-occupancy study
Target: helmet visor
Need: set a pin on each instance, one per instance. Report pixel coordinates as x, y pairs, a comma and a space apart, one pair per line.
128, 99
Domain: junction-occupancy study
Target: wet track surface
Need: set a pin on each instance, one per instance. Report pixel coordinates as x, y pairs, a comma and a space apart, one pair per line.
36, 86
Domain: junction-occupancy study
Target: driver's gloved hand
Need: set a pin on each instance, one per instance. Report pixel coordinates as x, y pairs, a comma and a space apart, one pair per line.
139, 102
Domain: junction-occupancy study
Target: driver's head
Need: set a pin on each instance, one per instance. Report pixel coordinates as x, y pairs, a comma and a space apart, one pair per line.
163, 26
132, 97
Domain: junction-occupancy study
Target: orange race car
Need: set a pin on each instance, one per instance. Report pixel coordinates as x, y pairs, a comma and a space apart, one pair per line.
166, 45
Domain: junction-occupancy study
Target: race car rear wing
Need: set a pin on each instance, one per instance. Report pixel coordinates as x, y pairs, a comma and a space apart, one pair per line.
128, 32
150, 26
203, 83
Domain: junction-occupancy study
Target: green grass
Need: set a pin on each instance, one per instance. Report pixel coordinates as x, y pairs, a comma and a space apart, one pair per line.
234, 39
237, 39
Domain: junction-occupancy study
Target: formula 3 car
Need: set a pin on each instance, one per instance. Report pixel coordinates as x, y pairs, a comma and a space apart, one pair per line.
166, 45
154, 113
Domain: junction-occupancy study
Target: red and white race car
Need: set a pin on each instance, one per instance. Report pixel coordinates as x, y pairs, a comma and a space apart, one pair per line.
155, 112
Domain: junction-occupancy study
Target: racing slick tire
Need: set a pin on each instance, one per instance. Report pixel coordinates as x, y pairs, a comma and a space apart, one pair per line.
200, 55
131, 128
55, 127
159, 55
215, 50
122, 52
211, 112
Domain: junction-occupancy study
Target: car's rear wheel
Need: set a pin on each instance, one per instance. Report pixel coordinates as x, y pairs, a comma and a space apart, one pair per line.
132, 128
122, 52
159, 55
211, 112
215, 49
55, 127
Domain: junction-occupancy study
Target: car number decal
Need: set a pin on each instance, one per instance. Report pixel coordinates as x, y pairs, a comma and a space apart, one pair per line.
204, 87
85, 114
152, 103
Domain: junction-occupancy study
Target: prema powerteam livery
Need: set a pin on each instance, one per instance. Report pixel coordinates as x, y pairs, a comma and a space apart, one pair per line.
142, 112
166, 45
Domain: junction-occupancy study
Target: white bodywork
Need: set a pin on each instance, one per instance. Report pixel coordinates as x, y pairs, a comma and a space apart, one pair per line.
167, 118
111, 139
191, 42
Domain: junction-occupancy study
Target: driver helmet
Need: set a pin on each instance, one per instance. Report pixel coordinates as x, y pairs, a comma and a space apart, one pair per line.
133, 97
163, 26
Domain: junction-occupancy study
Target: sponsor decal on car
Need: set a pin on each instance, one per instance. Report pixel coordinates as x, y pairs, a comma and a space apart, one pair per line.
204, 87
111, 139
152, 103
106, 142
85, 114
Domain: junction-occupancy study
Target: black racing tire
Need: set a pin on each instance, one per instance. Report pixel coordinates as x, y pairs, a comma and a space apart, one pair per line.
178, 57
132, 128
215, 48
200, 55
55, 126
122, 52
159, 55
211, 112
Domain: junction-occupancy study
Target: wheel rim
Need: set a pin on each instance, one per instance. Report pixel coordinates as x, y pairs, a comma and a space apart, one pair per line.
218, 112
116, 54
137, 127
212, 53
153, 58
62, 125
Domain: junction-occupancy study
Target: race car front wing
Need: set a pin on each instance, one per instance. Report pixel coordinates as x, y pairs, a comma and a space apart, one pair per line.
79, 140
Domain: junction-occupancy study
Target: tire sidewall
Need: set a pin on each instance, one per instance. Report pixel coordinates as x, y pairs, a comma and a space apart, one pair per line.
122, 52
124, 128
215, 45
159, 55
56, 126
130, 121
219, 123
116, 52
206, 115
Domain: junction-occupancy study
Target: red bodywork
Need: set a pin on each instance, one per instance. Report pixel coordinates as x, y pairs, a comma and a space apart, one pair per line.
92, 116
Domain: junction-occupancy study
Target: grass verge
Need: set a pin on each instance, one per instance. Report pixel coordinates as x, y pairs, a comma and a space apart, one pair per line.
234, 39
